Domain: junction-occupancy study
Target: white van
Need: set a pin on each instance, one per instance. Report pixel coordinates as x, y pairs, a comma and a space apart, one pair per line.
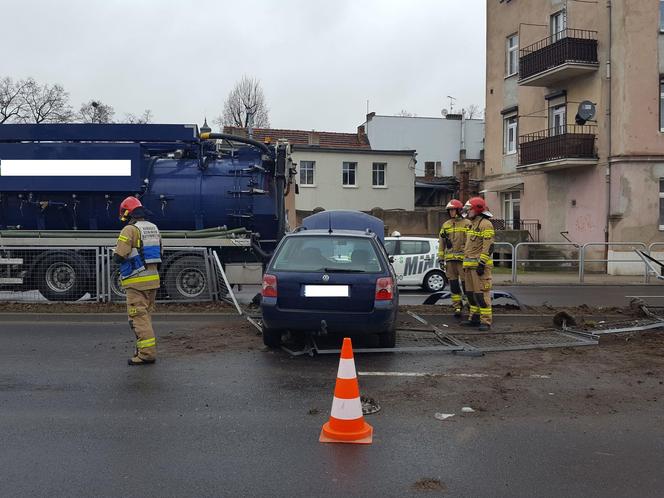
416, 262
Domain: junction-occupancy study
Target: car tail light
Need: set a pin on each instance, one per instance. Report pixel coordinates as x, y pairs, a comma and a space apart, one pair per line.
269, 286
384, 289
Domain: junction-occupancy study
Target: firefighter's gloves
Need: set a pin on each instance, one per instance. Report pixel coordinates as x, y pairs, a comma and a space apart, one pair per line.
480, 269
118, 259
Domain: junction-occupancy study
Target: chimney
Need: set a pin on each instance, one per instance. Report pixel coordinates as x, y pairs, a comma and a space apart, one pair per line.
314, 138
362, 135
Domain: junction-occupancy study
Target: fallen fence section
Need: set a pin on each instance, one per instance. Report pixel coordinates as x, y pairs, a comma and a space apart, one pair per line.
433, 338
653, 322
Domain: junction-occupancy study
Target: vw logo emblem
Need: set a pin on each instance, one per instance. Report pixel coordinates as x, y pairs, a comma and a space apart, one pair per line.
326, 278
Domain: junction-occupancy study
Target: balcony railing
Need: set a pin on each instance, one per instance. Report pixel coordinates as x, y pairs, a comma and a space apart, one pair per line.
570, 45
566, 142
532, 226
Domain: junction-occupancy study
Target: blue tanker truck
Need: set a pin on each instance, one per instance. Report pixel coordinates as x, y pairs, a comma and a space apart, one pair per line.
61, 186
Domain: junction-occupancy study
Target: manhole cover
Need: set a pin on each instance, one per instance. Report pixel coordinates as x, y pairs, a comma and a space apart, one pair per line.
369, 405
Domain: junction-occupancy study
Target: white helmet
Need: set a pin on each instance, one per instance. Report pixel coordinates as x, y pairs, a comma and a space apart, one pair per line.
396, 234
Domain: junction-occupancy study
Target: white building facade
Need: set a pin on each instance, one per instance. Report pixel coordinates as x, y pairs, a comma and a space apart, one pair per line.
438, 142
354, 179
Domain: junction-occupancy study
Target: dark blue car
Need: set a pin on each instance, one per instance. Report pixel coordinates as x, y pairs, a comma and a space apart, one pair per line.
332, 280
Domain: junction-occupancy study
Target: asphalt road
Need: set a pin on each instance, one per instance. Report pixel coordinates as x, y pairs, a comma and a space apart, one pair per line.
539, 295
76, 421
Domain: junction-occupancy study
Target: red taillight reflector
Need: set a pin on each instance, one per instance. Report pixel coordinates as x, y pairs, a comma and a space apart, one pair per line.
269, 286
384, 289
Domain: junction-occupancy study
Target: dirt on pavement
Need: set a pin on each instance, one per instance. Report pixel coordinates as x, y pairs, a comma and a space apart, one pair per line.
621, 373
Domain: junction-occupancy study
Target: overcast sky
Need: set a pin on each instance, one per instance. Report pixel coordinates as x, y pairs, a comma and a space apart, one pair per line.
319, 61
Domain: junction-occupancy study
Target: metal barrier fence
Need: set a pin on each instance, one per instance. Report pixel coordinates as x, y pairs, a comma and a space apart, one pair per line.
85, 273
503, 260
186, 276
516, 260
31, 274
650, 251
583, 259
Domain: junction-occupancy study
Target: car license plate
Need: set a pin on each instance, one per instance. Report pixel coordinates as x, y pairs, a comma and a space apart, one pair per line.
326, 291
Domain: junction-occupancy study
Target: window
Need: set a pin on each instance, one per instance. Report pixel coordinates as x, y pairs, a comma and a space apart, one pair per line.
512, 59
348, 175
390, 247
661, 204
407, 247
558, 25
512, 209
378, 174
307, 169
661, 105
558, 119
439, 168
661, 15
510, 130
315, 253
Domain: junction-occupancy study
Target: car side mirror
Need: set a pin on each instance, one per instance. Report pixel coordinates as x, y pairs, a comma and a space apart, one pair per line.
391, 259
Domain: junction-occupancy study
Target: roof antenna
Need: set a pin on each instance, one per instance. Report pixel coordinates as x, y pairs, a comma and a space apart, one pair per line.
329, 220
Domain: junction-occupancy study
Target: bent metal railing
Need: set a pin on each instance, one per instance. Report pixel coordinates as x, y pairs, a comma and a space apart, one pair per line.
567, 46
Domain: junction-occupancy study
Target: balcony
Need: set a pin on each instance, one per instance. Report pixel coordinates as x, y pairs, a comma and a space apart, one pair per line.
558, 148
565, 55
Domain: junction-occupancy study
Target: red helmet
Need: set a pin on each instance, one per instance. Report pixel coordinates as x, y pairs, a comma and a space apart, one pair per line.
127, 207
454, 204
478, 205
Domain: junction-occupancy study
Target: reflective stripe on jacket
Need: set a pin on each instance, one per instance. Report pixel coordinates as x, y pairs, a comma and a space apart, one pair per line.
140, 244
479, 239
455, 231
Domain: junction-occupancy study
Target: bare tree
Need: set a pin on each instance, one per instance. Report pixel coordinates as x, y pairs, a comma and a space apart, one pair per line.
96, 111
11, 100
46, 104
406, 114
473, 112
245, 106
145, 118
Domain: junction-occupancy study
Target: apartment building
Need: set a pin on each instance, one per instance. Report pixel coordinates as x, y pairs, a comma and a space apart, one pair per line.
583, 175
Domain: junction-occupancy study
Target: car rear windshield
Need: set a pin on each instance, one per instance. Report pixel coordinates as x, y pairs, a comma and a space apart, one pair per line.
327, 253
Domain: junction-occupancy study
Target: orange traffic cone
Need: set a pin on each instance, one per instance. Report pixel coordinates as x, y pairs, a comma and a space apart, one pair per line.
346, 424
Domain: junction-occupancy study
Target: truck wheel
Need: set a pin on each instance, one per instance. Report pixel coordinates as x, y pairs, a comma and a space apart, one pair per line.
271, 337
388, 339
62, 277
434, 281
118, 293
186, 279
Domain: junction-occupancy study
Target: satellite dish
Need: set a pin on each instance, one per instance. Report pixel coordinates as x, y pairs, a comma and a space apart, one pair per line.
444, 112
586, 112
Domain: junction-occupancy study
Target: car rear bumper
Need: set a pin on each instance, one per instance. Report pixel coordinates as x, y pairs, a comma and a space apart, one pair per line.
381, 319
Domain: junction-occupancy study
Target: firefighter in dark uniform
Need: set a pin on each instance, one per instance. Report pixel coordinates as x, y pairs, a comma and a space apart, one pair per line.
138, 252
477, 264
450, 252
